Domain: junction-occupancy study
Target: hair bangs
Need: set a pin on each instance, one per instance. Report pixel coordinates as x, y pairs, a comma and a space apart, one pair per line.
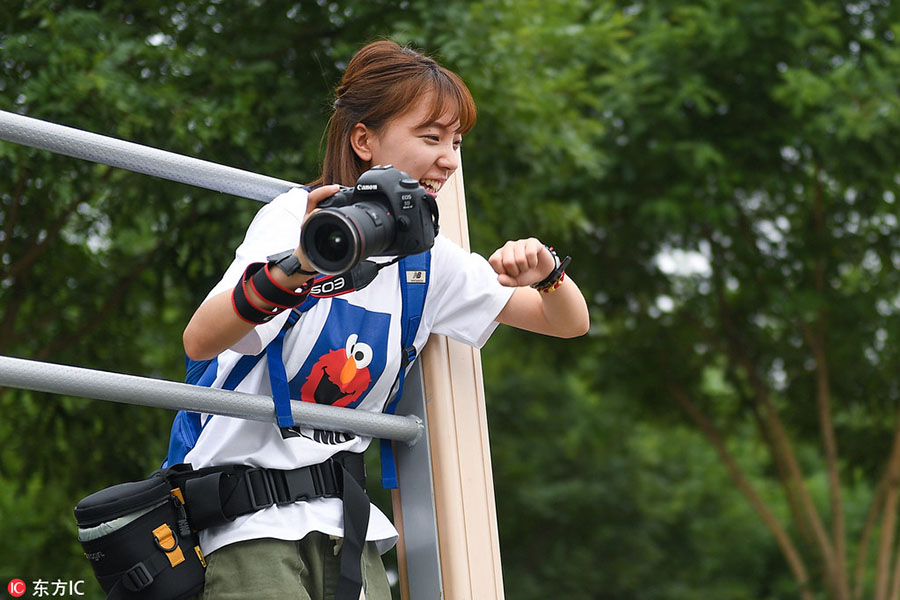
449, 95
381, 82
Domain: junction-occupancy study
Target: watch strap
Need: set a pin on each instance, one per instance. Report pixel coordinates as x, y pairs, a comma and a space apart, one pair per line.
288, 262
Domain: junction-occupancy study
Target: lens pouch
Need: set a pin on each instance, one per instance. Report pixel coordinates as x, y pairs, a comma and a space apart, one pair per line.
139, 542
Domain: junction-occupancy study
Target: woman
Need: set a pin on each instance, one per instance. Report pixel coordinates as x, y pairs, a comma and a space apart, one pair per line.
393, 107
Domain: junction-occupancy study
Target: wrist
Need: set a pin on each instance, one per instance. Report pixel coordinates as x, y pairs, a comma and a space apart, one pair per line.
306, 268
290, 268
261, 293
555, 278
291, 263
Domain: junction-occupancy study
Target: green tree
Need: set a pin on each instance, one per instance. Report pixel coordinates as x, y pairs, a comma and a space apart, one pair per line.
729, 169
721, 171
100, 267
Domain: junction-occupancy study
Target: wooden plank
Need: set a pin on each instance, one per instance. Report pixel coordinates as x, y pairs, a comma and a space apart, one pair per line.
460, 448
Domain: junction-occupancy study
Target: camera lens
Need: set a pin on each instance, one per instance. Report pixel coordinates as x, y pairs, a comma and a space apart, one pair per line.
335, 239
333, 243
330, 241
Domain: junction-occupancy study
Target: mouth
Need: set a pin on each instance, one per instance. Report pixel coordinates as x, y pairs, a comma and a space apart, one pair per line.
328, 392
432, 186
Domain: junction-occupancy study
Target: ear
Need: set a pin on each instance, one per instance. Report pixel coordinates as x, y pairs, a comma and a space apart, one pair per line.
361, 141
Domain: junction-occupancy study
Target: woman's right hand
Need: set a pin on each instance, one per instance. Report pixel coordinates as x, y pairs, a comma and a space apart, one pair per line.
215, 326
319, 194
312, 204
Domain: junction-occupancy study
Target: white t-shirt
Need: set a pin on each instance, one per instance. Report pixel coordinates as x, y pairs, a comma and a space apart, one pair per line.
343, 351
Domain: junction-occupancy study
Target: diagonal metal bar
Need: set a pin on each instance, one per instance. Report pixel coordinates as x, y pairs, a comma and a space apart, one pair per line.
94, 147
131, 389
415, 466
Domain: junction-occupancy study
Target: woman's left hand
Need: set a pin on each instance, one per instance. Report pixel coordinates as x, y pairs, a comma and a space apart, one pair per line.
522, 262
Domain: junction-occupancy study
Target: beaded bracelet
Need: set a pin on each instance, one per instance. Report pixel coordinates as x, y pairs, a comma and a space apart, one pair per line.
552, 281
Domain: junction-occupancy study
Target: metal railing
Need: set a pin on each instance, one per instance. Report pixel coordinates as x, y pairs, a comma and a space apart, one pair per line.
160, 393
77, 143
413, 457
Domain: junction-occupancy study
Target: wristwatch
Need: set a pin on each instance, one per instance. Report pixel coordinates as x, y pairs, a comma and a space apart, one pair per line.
288, 263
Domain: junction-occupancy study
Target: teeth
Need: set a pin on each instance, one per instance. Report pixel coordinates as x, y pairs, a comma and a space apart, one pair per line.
432, 185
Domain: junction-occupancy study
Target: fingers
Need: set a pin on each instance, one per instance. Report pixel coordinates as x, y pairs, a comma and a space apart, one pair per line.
507, 281
518, 262
319, 194
312, 203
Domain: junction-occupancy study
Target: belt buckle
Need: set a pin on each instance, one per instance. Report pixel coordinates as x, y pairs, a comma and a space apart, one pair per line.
137, 578
266, 490
318, 478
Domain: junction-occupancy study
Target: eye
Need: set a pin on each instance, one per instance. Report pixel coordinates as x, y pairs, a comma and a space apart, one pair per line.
360, 352
350, 342
432, 138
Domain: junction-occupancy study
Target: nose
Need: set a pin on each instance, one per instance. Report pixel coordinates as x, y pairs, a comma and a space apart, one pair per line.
449, 159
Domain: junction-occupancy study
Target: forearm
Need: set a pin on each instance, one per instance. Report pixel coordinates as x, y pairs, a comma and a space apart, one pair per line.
213, 328
216, 326
565, 311
561, 313
558, 310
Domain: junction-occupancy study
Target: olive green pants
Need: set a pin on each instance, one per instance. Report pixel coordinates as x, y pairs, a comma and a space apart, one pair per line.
270, 569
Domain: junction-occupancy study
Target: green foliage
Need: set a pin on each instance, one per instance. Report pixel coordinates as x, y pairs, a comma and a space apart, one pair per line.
722, 172
594, 503
101, 268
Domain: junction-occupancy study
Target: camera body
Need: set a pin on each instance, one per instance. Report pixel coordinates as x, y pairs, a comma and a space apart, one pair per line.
387, 213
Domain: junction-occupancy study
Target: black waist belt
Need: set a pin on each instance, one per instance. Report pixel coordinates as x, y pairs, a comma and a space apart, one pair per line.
216, 495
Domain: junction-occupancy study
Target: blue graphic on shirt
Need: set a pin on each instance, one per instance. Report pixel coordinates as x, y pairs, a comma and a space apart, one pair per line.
347, 359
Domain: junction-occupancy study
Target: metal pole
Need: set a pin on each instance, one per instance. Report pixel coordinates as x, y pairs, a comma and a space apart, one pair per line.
94, 147
159, 393
420, 548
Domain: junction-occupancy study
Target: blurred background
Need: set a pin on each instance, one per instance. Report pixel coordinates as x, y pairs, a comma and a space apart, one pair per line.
723, 173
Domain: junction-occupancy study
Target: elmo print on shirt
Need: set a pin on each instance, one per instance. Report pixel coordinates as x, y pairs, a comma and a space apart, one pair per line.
341, 376
347, 359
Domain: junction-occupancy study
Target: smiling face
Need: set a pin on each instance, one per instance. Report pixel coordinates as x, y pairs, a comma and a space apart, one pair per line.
416, 142
388, 92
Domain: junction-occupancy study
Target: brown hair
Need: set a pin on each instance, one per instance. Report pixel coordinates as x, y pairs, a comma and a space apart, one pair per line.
382, 81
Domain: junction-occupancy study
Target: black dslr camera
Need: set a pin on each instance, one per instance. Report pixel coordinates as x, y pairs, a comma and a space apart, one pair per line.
387, 213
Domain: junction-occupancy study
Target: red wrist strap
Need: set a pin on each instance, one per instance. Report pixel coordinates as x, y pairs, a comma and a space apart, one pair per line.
246, 310
261, 282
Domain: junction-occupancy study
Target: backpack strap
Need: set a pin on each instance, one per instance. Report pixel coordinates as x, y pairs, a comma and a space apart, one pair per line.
278, 381
281, 393
197, 371
187, 426
414, 276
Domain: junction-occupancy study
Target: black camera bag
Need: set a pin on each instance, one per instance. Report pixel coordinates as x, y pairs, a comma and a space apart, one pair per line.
139, 541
